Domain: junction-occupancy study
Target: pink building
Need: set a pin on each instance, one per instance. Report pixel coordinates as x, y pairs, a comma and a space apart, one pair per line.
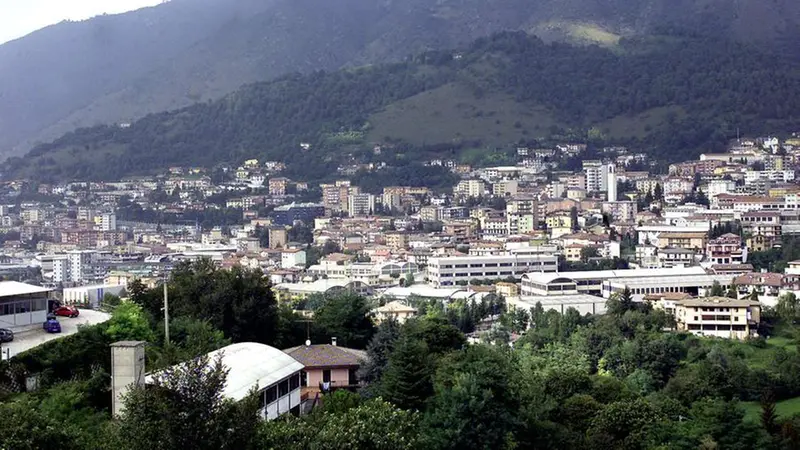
327, 367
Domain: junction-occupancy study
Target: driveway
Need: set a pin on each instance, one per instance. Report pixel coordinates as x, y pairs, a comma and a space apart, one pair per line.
26, 340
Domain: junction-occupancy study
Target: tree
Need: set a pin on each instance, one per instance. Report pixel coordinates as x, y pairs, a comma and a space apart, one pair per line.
573, 217
373, 425
619, 303
345, 317
184, 408
24, 427
588, 253
439, 336
716, 290
475, 406
128, 322
658, 192
788, 308
239, 302
768, 415
409, 279
407, 380
623, 424
378, 352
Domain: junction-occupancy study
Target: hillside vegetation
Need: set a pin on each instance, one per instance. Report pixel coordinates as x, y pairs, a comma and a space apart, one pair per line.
672, 97
120, 68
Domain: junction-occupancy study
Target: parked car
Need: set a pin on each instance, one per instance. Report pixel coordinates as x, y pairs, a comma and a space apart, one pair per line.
6, 335
52, 326
66, 311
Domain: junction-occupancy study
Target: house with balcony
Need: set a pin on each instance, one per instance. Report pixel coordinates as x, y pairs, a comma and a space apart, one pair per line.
720, 317
726, 249
327, 367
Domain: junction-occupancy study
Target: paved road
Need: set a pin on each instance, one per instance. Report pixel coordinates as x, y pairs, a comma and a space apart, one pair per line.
28, 339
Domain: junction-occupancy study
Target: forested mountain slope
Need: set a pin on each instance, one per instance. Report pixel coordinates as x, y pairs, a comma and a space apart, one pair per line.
119, 68
673, 97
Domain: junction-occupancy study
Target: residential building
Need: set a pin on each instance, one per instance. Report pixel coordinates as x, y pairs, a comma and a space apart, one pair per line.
297, 212
720, 317
394, 310
293, 258
327, 367
726, 249
470, 188
108, 222
360, 204
278, 237
596, 176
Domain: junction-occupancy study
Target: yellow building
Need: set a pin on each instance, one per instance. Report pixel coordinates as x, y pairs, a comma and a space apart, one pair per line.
720, 317
507, 289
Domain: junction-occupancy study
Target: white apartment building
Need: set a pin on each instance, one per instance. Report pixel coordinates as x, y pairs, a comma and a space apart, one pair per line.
596, 176
716, 187
360, 204
108, 222
81, 265
760, 176
60, 269
454, 270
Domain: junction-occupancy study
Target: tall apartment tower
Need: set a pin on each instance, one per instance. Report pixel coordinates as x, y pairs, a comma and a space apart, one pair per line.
596, 176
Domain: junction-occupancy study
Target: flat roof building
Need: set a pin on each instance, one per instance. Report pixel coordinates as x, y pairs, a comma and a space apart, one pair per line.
454, 270
22, 305
591, 281
720, 317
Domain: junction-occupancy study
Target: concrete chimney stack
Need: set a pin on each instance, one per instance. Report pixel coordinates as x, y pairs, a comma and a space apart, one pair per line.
333, 341
127, 371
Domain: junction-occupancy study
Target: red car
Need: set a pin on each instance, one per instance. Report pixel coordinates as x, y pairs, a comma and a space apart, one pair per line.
66, 311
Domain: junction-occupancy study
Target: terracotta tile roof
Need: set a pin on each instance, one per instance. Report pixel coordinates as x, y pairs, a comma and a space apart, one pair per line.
326, 355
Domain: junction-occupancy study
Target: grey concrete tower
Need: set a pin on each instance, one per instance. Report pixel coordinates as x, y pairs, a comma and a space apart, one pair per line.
127, 371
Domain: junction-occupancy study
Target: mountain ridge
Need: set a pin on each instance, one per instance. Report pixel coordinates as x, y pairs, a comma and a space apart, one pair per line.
120, 68
670, 96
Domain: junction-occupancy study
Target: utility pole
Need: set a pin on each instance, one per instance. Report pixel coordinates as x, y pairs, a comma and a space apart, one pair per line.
166, 314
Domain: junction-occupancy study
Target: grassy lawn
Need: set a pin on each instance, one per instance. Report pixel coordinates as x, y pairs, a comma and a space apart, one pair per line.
783, 408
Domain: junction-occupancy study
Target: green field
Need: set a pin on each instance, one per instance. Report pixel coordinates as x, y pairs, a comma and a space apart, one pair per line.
576, 32
453, 113
783, 408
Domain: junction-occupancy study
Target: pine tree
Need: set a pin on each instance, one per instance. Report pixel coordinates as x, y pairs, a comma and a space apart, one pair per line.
769, 418
407, 381
378, 352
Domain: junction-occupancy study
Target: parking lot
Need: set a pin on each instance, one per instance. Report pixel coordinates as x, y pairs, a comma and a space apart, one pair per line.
26, 340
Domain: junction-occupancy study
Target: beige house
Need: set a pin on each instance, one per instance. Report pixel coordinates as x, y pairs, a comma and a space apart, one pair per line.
394, 310
718, 317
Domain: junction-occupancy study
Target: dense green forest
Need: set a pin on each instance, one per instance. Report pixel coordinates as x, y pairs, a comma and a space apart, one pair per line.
673, 97
617, 381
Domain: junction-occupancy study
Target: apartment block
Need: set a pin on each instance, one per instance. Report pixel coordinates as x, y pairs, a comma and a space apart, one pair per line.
455, 270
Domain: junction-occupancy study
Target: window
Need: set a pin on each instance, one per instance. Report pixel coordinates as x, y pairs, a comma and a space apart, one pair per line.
303, 378
294, 382
283, 388
272, 394
326, 376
